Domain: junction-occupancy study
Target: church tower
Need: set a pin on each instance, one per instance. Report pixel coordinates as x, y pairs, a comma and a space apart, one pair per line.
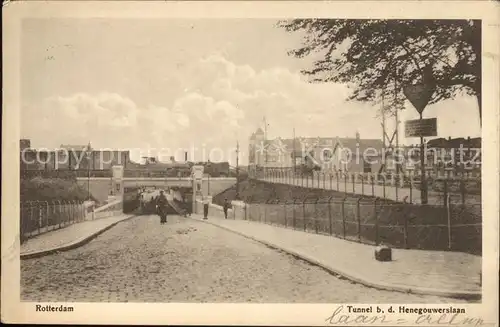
259, 147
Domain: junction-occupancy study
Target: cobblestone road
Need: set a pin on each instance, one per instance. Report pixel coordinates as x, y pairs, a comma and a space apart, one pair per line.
187, 261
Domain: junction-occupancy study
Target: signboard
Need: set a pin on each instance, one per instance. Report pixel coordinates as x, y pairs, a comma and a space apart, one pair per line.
421, 127
419, 95
198, 172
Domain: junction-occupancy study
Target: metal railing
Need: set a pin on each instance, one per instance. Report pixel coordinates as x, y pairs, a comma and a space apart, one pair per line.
461, 189
375, 221
38, 217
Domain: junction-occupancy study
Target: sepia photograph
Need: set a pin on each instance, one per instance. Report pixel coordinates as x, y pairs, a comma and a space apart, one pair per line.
254, 160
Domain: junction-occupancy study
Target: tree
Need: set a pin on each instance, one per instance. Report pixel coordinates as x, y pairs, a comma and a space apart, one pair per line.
376, 57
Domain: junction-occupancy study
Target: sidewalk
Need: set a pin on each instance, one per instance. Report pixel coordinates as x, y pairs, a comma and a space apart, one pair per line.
448, 274
69, 237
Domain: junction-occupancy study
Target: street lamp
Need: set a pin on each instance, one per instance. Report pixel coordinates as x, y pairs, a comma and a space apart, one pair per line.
88, 154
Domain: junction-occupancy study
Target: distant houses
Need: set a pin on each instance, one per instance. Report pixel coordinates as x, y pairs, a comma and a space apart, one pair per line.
70, 157
344, 154
326, 153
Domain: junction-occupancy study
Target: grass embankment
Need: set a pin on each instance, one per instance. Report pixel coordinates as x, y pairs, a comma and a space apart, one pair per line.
53, 189
425, 225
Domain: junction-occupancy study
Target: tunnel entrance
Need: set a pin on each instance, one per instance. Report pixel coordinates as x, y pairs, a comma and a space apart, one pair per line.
183, 199
130, 199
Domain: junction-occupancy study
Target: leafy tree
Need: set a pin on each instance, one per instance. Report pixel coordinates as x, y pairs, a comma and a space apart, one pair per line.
377, 57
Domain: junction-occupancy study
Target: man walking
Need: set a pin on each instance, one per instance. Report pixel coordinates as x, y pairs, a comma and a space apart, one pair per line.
161, 205
226, 207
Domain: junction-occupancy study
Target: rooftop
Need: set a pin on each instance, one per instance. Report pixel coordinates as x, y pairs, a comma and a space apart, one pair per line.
455, 142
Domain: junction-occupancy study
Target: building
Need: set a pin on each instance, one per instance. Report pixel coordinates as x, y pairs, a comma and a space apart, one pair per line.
72, 157
454, 153
326, 153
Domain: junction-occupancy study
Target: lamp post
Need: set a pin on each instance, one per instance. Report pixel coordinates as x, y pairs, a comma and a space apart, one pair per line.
208, 175
88, 154
237, 171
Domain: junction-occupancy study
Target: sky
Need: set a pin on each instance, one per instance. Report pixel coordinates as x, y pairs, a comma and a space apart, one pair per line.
165, 86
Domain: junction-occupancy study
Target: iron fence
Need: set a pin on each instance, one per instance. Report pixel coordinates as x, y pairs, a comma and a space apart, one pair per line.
38, 217
376, 221
462, 188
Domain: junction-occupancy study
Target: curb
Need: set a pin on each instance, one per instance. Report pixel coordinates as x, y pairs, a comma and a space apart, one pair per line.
71, 246
470, 295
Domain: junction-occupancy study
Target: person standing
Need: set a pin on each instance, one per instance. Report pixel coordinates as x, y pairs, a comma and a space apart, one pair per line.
205, 207
226, 208
161, 205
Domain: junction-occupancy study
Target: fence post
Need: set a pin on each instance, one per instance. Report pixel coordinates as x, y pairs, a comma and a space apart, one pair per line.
362, 184
343, 215
284, 211
358, 218
59, 212
395, 183
405, 227
330, 180
330, 214
372, 179
63, 213
304, 213
47, 215
384, 176
39, 210
345, 183
375, 216
324, 182
82, 212
293, 213
448, 213
245, 208
316, 215
445, 191
265, 212
411, 188
462, 191
353, 177
70, 211
22, 226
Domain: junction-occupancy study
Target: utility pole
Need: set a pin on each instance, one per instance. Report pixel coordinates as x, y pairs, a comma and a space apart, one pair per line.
383, 120
396, 107
237, 170
89, 152
293, 154
265, 137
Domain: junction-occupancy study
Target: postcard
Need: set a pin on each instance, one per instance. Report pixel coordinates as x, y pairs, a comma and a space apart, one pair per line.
251, 163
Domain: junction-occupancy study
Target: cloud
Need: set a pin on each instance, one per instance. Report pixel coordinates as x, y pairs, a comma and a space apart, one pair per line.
217, 101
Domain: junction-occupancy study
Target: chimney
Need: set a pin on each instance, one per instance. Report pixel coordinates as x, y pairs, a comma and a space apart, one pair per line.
185, 156
172, 159
357, 137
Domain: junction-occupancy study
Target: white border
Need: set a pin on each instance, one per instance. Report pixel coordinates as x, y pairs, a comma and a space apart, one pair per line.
250, 314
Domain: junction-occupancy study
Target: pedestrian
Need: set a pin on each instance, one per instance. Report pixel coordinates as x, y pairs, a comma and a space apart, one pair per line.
205, 207
185, 205
226, 207
161, 206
